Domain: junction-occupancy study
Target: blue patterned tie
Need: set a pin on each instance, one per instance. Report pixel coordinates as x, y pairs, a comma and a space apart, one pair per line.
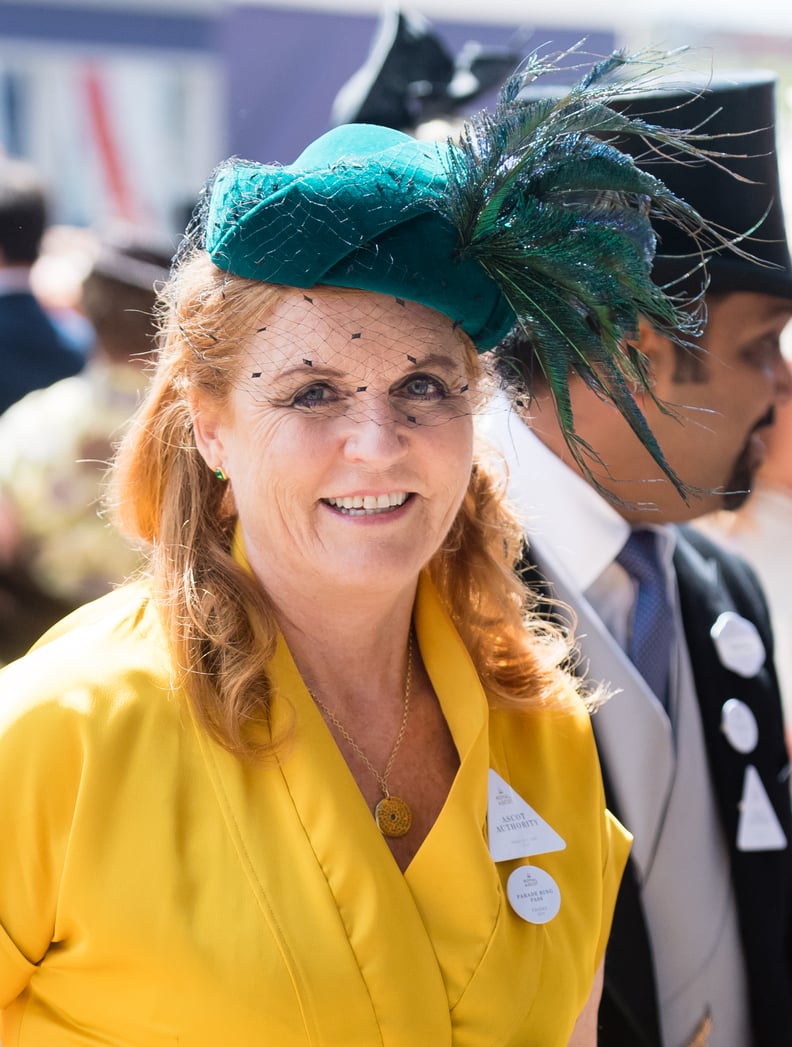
652, 632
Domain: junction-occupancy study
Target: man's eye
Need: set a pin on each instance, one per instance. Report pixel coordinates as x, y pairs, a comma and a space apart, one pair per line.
314, 395
763, 354
424, 387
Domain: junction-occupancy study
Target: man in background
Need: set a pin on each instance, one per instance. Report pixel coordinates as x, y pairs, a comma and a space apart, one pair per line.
761, 532
34, 351
58, 548
692, 742
411, 79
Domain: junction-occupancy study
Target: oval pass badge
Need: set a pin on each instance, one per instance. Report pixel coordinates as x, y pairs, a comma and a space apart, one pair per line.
739, 725
738, 644
533, 894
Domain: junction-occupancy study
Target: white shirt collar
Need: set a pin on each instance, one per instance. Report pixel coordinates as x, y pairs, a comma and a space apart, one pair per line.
555, 505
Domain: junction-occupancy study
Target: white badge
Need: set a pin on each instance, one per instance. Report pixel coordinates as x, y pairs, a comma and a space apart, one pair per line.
515, 829
533, 894
758, 828
739, 725
738, 644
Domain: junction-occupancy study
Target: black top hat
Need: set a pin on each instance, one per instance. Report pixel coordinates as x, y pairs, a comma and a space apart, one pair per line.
741, 106
134, 257
410, 77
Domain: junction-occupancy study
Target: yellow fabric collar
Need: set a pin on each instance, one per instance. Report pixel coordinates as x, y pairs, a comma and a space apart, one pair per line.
238, 549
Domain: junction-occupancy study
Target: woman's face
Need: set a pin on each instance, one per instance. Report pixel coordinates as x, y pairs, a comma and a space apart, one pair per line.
347, 439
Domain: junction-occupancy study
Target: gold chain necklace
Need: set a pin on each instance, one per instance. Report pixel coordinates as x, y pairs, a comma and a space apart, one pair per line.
392, 814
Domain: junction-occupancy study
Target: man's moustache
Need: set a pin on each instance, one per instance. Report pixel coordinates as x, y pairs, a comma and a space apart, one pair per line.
767, 419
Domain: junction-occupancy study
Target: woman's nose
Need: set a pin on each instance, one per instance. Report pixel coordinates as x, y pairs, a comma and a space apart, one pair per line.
376, 433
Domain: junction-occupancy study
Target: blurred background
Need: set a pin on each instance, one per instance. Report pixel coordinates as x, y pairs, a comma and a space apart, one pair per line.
126, 105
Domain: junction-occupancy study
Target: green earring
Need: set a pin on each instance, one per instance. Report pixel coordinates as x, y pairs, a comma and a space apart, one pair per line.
220, 474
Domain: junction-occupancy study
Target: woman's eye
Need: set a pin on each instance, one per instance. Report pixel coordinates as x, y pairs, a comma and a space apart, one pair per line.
314, 395
424, 387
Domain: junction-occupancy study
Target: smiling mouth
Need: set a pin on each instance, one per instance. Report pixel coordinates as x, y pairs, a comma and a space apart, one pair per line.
367, 504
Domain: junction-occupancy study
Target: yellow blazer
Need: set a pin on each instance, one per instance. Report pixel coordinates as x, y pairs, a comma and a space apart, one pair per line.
155, 890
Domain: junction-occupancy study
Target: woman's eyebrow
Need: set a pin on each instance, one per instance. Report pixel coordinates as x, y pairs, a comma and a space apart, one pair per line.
435, 360
306, 366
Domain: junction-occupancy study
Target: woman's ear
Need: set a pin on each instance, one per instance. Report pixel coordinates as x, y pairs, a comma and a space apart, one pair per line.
206, 415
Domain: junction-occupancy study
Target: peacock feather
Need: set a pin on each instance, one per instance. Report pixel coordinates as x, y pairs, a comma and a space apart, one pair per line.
562, 220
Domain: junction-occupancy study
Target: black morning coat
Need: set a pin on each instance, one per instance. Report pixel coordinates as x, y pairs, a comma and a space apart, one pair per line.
711, 582
34, 353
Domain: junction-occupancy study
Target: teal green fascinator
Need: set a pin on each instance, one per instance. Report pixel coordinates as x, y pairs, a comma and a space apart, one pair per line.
361, 207
534, 219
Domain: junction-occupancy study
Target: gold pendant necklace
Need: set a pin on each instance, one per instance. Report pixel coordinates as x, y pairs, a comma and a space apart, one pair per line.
392, 814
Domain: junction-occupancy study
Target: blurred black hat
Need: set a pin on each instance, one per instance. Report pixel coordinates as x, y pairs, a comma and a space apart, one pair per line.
410, 77
741, 106
135, 257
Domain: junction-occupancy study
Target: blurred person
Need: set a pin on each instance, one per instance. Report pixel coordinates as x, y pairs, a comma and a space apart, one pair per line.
692, 745
321, 776
56, 278
760, 531
34, 350
57, 548
410, 78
